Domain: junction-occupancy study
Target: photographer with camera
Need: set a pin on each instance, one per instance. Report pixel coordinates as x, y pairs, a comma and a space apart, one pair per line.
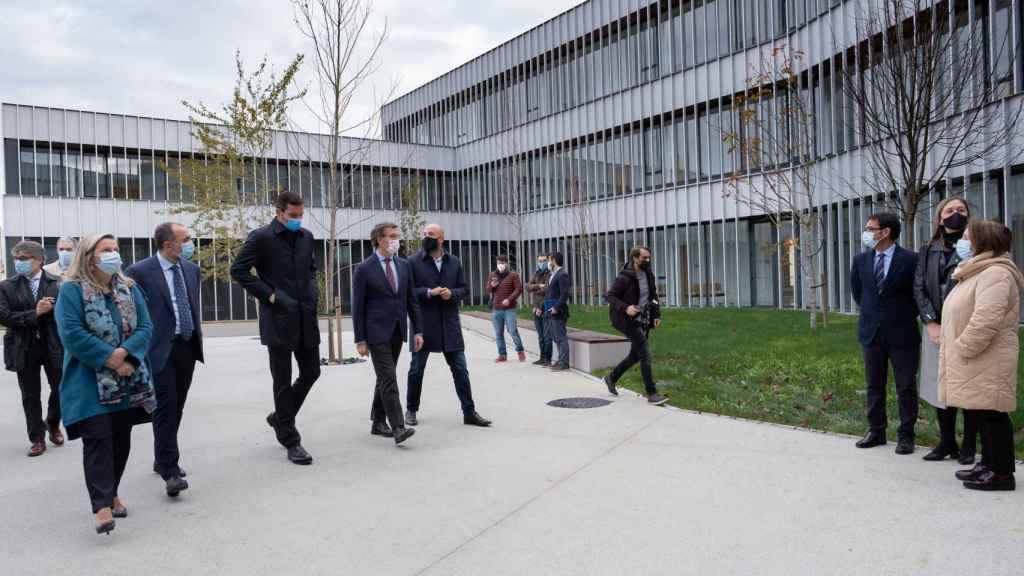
634, 311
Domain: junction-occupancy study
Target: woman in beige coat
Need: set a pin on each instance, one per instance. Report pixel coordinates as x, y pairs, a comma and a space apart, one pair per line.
978, 348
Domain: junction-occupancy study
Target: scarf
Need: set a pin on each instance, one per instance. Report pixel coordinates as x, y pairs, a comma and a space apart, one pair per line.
113, 388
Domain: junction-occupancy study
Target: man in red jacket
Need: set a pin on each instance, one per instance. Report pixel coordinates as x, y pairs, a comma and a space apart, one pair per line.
505, 287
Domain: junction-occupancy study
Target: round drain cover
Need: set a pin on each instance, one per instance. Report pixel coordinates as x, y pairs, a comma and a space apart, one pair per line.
578, 403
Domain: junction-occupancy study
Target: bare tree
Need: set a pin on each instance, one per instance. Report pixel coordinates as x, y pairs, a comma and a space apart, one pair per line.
345, 54
929, 87
775, 139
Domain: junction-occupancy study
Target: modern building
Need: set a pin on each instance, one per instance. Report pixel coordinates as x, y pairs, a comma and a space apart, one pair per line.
595, 131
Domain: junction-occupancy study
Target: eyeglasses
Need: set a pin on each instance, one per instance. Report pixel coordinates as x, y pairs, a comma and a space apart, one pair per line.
871, 229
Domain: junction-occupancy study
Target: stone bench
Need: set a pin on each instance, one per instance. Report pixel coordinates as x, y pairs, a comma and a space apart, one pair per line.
588, 351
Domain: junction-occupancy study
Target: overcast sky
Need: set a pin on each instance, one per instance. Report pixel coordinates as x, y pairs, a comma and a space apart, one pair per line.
143, 58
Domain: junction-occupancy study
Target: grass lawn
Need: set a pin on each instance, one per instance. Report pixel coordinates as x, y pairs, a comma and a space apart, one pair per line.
765, 365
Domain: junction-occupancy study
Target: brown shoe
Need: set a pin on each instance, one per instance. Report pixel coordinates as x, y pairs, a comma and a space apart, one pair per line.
522, 356
37, 449
56, 436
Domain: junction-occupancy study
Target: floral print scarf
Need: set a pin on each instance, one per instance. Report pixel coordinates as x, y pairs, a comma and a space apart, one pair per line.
113, 388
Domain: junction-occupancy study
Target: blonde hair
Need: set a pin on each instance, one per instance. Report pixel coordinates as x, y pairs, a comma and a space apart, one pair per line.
83, 267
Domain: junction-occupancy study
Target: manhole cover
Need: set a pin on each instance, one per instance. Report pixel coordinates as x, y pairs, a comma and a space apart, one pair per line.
577, 403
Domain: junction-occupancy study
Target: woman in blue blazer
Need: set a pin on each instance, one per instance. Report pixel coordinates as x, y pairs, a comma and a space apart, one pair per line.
107, 387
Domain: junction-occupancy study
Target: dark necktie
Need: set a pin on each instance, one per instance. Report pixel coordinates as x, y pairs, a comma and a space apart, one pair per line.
391, 275
880, 271
181, 301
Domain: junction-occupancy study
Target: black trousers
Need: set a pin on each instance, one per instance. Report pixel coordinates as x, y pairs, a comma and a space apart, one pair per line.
639, 351
996, 431
947, 430
31, 385
171, 385
288, 395
106, 443
386, 400
905, 361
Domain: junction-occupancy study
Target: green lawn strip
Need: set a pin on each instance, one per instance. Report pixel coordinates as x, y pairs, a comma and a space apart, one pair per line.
765, 365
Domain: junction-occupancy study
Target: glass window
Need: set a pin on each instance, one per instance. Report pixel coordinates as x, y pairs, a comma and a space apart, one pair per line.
57, 172
11, 157
28, 170
43, 176
74, 173
134, 184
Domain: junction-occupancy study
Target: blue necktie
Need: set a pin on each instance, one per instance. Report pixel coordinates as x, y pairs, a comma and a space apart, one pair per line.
880, 271
181, 300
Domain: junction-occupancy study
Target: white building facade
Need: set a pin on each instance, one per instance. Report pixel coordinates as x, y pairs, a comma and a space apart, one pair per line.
595, 131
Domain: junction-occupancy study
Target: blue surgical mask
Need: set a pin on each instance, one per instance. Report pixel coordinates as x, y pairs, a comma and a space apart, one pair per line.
963, 249
110, 263
187, 250
293, 224
868, 239
64, 258
542, 266
23, 267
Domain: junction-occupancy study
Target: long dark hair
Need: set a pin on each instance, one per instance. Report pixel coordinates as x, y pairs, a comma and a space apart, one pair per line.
937, 233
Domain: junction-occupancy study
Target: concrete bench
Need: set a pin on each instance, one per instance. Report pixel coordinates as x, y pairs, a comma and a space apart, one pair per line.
588, 351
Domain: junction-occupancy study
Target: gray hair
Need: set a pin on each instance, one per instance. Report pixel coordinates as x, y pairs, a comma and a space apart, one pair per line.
31, 249
163, 233
68, 240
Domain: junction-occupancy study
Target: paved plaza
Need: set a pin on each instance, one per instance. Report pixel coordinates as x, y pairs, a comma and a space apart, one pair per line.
620, 489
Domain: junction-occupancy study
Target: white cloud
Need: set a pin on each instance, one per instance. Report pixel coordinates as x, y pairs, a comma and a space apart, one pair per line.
143, 58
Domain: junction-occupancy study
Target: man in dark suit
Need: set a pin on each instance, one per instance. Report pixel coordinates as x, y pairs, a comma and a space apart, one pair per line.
440, 287
882, 281
281, 253
382, 299
170, 282
556, 307
32, 343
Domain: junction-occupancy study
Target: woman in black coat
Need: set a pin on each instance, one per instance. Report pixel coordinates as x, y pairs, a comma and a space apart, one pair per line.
935, 266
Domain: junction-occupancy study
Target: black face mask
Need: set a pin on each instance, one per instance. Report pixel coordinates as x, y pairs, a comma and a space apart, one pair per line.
645, 265
429, 244
955, 222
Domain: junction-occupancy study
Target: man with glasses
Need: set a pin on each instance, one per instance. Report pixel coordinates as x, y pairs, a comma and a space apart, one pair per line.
882, 282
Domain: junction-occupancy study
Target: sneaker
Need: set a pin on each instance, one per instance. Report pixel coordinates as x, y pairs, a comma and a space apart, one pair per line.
522, 356
611, 386
656, 400
500, 359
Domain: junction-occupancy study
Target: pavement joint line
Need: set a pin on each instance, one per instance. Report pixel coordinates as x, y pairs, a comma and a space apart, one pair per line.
542, 493
670, 408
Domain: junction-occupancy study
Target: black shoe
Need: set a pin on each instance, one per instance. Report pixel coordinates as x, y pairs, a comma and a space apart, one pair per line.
410, 418
542, 362
872, 439
971, 473
611, 386
992, 482
474, 419
904, 446
966, 459
105, 528
559, 367
175, 485
381, 429
298, 455
940, 452
272, 420
656, 399
119, 511
403, 434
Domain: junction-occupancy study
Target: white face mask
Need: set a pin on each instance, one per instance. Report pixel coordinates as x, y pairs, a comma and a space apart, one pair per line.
501, 267
393, 247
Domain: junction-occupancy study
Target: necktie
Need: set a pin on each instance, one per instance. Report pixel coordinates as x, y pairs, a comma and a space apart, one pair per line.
391, 275
181, 301
35, 288
880, 271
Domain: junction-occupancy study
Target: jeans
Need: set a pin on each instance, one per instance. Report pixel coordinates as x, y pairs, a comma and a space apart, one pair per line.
640, 352
506, 320
460, 373
543, 337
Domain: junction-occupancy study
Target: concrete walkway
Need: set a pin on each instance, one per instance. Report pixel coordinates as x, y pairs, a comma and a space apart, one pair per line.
622, 489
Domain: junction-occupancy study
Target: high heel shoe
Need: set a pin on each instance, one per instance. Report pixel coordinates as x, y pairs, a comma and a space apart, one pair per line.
119, 510
105, 526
